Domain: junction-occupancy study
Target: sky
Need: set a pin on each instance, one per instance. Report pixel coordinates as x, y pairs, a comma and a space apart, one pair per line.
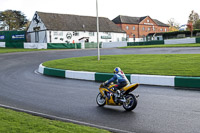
161, 10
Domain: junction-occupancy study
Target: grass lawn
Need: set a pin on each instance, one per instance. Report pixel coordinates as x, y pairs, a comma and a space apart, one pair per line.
165, 46
163, 64
17, 122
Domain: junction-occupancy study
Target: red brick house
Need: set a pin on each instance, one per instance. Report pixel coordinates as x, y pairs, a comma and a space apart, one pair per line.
137, 28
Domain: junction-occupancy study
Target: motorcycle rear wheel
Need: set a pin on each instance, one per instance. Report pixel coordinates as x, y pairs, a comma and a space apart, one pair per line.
101, 101
131, 102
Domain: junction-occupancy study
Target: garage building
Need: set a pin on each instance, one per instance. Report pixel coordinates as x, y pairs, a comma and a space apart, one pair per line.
65, 28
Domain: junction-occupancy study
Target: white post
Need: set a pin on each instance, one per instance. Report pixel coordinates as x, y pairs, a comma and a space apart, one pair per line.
97, 30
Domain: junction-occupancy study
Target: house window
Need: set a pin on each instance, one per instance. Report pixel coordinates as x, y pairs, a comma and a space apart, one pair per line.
133, 27
148, 21
143, 37
143, 28
127, 27
57, 33
149, 28
75, 33
108, 33
161, 29
165, 29
36, 36
153, 28
91, 33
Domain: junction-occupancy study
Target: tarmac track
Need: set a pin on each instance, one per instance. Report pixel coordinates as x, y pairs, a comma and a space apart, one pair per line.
160, 109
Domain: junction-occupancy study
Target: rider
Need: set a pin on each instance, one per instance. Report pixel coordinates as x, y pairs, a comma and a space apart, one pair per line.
121, 80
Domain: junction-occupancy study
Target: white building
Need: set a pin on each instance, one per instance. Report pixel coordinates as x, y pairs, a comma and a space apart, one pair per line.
65, 28
183, 27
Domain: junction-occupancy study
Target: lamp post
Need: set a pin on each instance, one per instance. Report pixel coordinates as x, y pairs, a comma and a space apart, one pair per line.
97, 30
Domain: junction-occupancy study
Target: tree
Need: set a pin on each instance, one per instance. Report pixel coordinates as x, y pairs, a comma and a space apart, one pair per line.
194, 17
197, 24
16, 20
173, 26
190, 27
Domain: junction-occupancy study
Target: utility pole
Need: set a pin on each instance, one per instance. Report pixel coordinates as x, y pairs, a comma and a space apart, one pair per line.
97, 30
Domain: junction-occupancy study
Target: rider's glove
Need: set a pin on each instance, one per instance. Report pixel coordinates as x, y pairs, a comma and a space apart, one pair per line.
104, 84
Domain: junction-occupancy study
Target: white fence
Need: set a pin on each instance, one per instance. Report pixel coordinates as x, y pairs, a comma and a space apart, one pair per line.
113, 44
2, 44
180, 41
35, 45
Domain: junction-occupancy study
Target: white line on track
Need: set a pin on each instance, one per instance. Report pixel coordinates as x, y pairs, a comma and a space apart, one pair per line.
52, 117
36, 71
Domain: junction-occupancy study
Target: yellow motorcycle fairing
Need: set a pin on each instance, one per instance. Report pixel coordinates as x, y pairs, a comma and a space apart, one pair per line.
130, 87
108, 101
126, 89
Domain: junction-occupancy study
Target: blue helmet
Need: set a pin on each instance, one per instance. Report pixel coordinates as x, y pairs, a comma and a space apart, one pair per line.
117, 69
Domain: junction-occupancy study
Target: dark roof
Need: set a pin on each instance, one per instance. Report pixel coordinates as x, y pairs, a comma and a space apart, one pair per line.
127, 20
134, 20
66, 22
160, 23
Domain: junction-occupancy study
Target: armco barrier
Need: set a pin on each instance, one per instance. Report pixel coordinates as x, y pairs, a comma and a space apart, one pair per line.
197, 40
190, 82
35, 45
105, 76
41, 69
181, 41
63, 45
54, 72
156, 42
114, 44
80, 75
92, 45
153, 79
174, 81
21, 44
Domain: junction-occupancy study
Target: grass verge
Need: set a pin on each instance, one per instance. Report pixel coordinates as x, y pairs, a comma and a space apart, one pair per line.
163, 64
165, 46
12, 50
18, 122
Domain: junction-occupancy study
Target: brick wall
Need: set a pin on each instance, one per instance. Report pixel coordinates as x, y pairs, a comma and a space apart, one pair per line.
143, 29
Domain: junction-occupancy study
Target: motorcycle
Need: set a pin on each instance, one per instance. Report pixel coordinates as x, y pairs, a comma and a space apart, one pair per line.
107, 96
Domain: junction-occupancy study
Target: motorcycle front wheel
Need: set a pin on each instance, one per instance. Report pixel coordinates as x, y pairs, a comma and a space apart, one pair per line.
131, 102
101, 101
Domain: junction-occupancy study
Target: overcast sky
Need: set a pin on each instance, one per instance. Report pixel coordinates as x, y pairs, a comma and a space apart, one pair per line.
156, 9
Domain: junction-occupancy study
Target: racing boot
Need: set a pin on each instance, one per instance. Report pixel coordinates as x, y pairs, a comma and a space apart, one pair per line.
118, 93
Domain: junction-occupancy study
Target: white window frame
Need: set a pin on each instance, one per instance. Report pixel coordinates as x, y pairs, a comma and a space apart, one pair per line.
91, 33
75, 33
